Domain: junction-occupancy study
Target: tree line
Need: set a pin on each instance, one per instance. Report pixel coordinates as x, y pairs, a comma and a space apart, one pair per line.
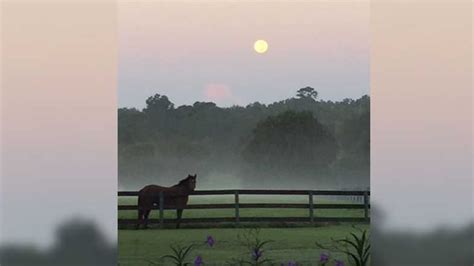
301, 138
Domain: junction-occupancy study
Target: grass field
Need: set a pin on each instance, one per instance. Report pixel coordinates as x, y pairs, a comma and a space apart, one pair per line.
146, 247
140, 247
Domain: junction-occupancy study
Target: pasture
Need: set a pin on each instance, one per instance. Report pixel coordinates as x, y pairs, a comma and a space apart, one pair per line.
146, 247
290, 241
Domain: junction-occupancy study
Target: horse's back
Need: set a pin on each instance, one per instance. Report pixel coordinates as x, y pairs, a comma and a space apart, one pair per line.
149, 194
151, 189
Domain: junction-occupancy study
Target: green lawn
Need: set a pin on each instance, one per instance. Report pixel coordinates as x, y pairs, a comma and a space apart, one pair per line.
140, 247
145, 247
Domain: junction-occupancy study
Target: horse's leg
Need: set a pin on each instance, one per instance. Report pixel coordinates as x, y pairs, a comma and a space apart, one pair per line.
179, 214
140, 218
146, 214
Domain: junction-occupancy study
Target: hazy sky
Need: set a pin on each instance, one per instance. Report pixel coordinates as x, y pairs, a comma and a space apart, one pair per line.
51, 104
204, 51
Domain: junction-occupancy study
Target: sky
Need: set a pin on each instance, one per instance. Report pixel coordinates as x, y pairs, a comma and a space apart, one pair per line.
421, 165
204, 51
58, 144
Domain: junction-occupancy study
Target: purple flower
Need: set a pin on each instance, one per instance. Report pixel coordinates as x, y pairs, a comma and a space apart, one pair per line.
324, 258
257, 254
210, 241
339, 262
198, 261
292, 263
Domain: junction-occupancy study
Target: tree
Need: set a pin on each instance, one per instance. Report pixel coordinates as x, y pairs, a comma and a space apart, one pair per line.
158, 103
159, 112
131, 126
354, 138
307, 93
291, 140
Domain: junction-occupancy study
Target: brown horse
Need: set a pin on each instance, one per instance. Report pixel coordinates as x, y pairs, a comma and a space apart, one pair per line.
175, 197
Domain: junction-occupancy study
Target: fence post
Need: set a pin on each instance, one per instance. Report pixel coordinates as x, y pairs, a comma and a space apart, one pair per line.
366, 205
311, 207
237, 215
162, 209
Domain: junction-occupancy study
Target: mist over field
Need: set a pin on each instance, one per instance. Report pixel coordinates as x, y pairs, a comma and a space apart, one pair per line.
298, 143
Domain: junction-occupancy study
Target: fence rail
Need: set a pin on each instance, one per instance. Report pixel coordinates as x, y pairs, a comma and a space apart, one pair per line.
237, 219
265, 192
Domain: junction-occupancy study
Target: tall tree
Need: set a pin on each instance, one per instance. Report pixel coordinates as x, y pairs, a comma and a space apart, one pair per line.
291, 140
159, 111
158, 103
307, 93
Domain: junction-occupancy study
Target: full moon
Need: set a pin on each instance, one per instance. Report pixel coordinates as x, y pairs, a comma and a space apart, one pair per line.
260, 46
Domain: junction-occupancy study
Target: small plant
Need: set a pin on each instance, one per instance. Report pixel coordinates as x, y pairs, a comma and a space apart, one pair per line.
323, 258
356, 247
210, 241
198, 261
180, 254
255, 247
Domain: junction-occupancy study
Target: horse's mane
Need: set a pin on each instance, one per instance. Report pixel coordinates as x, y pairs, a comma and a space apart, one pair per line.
183, 181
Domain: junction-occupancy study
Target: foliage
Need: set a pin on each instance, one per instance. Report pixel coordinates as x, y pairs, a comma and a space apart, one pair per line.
255, 248
356, 247
164, 138
325, 258
179, 254
307, 93
291, 140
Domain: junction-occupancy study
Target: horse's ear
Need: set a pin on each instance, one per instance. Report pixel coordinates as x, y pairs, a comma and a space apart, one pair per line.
195, 175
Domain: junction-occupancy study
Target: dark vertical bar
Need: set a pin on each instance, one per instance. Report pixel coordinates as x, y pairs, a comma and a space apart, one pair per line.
162, 209
237, 215
311, 207
366, 205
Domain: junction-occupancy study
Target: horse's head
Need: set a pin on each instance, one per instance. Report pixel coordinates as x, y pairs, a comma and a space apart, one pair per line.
190, 182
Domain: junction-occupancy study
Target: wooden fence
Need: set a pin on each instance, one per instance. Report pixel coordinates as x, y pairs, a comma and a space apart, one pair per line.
311, 206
